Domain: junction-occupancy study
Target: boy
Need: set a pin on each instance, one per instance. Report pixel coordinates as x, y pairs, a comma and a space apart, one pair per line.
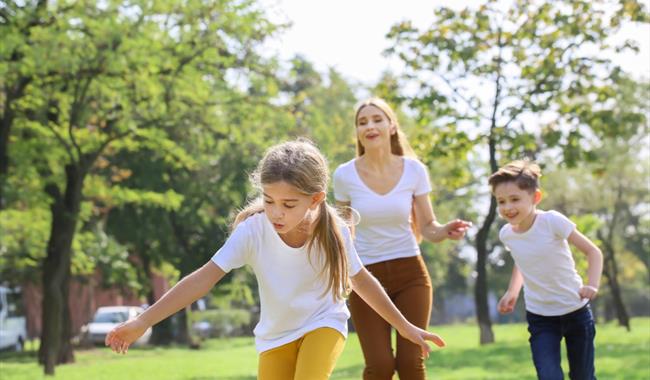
555, 297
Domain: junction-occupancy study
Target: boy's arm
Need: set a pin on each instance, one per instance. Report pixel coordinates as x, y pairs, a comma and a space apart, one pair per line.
371, 291
594, 259
188, 290
516, 281
509, 300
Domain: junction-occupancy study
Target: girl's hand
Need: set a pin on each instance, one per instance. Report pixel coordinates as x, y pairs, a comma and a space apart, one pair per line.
123, 335
589, 292
420, 337
507, 303
456, 229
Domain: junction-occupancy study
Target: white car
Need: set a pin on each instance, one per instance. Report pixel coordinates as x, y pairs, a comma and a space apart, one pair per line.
13, 324
107, 317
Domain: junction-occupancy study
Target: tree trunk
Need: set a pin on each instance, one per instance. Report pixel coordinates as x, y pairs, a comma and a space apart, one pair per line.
56, 333
481, 287
610, 271
162, 333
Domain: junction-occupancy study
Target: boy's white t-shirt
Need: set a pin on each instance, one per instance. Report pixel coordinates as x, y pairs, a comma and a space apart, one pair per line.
542, 254
291, 292
384, 231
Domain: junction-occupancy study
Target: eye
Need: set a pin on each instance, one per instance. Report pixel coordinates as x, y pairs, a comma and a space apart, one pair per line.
268, 202
288, 206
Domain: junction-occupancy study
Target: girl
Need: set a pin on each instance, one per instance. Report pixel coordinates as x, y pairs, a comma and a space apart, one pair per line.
304, 261
385, 187
557, 303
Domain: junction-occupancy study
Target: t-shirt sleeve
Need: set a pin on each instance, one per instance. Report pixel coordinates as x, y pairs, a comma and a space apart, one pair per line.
341, 192
354, 262
422, 183
237, 249
560, 224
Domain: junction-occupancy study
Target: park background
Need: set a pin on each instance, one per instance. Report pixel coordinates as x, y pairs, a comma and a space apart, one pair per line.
129, 129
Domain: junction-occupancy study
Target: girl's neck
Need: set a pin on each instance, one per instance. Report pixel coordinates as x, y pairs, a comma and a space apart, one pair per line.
294, 239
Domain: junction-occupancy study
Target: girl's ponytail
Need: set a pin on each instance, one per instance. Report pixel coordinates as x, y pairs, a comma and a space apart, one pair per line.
327, 234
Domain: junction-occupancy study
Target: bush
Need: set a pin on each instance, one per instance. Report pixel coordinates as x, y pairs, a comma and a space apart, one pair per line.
221, 323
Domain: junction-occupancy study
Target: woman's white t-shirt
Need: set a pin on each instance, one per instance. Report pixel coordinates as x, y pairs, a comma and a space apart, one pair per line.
292, 302
384, 231
542, 254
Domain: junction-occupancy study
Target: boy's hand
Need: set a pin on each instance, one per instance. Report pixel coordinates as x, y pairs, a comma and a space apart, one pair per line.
588, 292
507, 303
420, 337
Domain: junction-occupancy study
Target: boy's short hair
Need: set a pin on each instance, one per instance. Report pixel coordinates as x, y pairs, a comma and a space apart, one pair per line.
524, 173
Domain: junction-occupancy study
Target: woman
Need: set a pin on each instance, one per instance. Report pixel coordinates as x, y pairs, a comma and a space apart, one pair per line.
387, 188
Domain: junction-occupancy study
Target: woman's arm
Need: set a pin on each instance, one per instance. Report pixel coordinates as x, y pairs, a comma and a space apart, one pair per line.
429, 226
594, 259
188, 290
371, 291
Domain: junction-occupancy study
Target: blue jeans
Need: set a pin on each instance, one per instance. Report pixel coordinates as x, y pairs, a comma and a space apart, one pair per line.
546, 333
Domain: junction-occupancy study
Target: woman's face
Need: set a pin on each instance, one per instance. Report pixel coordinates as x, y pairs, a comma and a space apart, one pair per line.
374, 129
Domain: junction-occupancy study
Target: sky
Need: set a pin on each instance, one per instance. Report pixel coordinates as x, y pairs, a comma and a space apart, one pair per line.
349, 35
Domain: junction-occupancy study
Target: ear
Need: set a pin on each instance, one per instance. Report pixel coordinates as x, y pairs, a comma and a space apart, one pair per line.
537, 197
393, 129
317, 198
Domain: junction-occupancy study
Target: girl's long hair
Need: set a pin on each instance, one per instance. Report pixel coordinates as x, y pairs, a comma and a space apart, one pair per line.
300, 164
399, 145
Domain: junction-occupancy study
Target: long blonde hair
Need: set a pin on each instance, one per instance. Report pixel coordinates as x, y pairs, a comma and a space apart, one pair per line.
399, 144
300, 164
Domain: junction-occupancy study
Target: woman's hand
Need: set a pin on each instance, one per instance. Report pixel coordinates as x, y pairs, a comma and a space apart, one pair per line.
123, 335
420, 337
456, 229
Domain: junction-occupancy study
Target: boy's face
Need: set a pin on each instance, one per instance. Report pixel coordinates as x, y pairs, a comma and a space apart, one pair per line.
515, 205
287, 208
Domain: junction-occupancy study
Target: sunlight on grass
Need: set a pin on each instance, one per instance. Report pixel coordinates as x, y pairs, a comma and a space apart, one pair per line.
619, 355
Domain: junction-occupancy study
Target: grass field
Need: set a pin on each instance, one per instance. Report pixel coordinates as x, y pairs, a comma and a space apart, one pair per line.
619, 355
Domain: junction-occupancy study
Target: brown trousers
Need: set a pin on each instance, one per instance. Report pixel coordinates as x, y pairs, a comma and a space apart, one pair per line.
407, 283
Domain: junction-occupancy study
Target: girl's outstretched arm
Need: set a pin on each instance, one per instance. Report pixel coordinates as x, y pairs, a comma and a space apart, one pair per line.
371, 291
188, 290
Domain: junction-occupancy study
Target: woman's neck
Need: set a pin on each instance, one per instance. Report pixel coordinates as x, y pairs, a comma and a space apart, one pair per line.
378, 159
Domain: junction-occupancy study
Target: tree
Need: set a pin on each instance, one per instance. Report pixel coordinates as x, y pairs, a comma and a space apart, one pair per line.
118, 77
508, 75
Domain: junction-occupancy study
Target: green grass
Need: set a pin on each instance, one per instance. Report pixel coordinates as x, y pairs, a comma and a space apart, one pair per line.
619, 355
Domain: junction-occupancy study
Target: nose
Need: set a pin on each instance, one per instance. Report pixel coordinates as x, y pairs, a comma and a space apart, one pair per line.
276, 212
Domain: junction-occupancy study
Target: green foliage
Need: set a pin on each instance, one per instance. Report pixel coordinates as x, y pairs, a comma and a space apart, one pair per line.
230, 322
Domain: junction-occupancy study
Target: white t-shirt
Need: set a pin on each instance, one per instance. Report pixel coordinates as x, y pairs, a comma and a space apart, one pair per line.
384, 231
291, 291
542, 254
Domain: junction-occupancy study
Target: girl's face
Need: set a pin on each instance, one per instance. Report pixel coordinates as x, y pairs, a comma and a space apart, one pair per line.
517, 206
374, 129
288, 209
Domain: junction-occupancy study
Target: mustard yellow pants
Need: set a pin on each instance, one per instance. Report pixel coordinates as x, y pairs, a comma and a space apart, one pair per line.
311, 357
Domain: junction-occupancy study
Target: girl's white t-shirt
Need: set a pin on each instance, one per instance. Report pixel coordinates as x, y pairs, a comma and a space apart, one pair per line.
542, 254
384, 230
291, 290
